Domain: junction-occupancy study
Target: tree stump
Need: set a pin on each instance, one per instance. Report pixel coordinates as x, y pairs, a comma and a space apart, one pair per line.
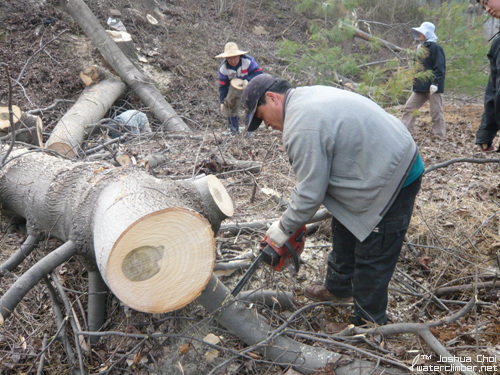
28, 128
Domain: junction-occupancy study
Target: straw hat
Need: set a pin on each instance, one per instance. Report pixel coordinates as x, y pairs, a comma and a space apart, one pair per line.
230, 50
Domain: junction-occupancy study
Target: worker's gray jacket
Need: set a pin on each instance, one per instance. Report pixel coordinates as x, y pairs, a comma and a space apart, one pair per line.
347, 153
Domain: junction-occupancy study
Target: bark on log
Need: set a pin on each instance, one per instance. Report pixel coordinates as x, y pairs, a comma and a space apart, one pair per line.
140, 83
91, 106
144, 233
233, 99
253, 329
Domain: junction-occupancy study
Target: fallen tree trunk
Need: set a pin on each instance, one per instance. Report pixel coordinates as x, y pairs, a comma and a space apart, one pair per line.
91, 106
140, 83
143, 233
255, 331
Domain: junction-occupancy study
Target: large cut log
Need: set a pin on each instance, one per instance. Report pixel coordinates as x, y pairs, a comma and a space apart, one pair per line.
91, 106
149, 237
140, 83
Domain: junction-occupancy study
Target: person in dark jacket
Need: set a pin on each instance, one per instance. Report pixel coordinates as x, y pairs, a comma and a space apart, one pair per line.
428, 88
236, 64
490, 120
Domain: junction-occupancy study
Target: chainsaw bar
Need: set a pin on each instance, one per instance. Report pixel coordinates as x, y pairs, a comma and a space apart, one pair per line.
250, 271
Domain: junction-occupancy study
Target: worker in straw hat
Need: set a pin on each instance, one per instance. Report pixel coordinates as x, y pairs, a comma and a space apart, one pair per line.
236, 64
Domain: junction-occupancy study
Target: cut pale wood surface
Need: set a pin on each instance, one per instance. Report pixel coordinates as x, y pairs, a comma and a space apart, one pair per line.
28, 130
163, 261
4, 116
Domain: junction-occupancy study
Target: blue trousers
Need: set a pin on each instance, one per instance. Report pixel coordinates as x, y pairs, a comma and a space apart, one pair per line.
233, 124
363, 270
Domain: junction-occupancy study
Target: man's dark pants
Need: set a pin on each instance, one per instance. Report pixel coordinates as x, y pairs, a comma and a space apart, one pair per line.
363, 269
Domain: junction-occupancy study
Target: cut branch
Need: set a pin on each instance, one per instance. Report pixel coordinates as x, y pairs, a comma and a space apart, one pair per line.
459, 160
24, 250
421, 329
255, 331
29, 279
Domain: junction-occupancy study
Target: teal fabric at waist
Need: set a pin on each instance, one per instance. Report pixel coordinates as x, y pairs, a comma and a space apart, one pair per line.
416, 171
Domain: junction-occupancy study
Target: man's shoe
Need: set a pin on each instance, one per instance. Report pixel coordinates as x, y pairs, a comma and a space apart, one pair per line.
318, 292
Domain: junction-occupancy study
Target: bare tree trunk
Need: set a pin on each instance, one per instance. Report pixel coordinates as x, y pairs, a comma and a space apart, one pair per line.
91, 106
140, 83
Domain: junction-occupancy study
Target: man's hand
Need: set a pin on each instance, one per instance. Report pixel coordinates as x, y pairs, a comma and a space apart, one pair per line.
222, 108
433, 89
276, 234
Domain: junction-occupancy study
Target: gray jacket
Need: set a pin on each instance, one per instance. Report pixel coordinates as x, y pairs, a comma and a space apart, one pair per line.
347, 153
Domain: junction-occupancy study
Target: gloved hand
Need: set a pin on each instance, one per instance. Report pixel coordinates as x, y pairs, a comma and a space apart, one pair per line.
276, 234
487, 147
223, 108
433, 89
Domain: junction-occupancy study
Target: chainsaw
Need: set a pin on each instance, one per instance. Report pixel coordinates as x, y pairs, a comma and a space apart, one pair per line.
278, 258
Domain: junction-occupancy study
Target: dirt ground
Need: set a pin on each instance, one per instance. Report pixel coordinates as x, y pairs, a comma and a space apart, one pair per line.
454, 237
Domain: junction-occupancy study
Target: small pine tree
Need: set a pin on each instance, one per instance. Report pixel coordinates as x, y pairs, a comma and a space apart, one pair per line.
328, 55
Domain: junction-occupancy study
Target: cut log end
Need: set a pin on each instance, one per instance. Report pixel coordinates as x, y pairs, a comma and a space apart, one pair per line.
62, 148
163, 261
5, 116
220, 195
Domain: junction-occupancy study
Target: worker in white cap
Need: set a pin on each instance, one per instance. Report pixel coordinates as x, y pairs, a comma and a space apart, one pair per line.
430, 86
